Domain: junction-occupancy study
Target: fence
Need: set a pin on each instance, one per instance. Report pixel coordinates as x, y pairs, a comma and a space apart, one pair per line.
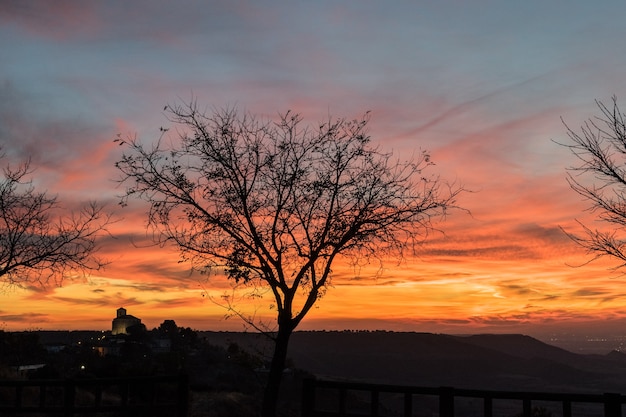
132, 396
335, 400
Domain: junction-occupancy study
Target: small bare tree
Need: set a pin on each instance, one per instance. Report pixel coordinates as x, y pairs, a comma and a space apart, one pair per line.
275, 204
37, 243
600, 178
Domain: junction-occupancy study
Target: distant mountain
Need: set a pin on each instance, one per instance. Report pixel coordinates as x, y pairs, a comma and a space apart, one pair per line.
484, 361
514, 362
517, 345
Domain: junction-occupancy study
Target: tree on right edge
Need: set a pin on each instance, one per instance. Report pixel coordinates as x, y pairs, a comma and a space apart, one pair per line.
600, 178
274, 204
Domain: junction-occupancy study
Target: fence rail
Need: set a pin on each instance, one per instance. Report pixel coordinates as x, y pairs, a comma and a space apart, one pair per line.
609, 403
136, 396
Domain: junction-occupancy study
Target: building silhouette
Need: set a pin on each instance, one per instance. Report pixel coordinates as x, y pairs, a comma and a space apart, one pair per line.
124, 323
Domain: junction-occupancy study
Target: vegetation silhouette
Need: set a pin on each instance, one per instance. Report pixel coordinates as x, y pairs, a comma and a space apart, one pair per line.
600, 178
37, 242
221, 379
274, 204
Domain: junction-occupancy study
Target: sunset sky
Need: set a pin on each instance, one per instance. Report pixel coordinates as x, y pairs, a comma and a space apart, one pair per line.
482, 85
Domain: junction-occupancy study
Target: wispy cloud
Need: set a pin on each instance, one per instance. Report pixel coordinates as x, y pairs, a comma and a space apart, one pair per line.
25, 319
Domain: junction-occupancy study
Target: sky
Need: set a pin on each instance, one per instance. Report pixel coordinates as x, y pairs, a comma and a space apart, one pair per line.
484, 86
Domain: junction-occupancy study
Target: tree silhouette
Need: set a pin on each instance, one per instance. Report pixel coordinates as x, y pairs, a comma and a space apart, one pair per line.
37, 241
275, 204
600, 178
168, 328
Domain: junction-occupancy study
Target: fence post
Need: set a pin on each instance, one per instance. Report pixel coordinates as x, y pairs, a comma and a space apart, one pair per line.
446, 402
69, 397
342, 401
526, 405
408, 404
488, 406
183, 395
308, 397
42, 395
612, 405
374, 403
18, 397
567, 409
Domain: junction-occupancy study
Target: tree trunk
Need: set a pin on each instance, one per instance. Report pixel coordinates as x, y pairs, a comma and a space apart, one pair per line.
270, 398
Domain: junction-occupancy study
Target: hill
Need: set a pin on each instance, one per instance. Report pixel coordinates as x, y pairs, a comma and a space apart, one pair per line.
509, 362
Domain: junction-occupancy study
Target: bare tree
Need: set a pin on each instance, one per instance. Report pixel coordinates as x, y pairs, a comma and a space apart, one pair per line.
275, 204
600, 178
37, 243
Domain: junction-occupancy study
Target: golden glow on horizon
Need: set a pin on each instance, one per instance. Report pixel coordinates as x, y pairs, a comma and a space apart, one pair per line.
427, 290
472, 278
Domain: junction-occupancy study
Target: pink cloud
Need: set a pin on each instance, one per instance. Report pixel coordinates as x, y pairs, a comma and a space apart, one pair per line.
59, 20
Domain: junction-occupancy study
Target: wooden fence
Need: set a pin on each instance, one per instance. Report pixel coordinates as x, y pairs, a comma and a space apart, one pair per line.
327, 398
132, 396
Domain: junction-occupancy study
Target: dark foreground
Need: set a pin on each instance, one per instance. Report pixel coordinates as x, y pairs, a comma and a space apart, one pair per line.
226, 370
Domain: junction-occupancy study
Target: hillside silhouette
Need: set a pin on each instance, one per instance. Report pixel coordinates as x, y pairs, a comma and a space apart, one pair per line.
501, 362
